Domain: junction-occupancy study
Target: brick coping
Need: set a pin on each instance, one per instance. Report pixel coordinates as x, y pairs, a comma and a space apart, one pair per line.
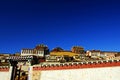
77, 65
4, 68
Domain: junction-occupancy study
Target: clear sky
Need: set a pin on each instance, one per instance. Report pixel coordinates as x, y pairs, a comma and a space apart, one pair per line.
93, 24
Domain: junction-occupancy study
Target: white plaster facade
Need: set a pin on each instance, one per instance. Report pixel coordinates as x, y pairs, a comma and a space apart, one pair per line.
40, 50
6, 75
93, 53
106, 73
27, 52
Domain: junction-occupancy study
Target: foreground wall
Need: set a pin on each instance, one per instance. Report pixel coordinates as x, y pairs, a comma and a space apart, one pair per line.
5, 72
76, 71
83, 74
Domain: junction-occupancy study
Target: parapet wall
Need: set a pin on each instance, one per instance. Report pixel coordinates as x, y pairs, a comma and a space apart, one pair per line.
4, 68
5, 72
98, 70
77, 65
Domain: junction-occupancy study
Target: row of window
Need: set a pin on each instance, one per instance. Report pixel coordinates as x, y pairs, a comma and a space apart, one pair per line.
38, 52
27, 51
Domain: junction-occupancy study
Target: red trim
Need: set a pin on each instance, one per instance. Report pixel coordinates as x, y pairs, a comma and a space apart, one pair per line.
77, 66
4, 69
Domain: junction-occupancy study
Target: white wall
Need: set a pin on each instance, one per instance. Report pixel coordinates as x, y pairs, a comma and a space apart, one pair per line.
109, 73
4, 75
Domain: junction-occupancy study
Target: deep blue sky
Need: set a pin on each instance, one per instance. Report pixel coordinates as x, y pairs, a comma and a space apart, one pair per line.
93, 24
